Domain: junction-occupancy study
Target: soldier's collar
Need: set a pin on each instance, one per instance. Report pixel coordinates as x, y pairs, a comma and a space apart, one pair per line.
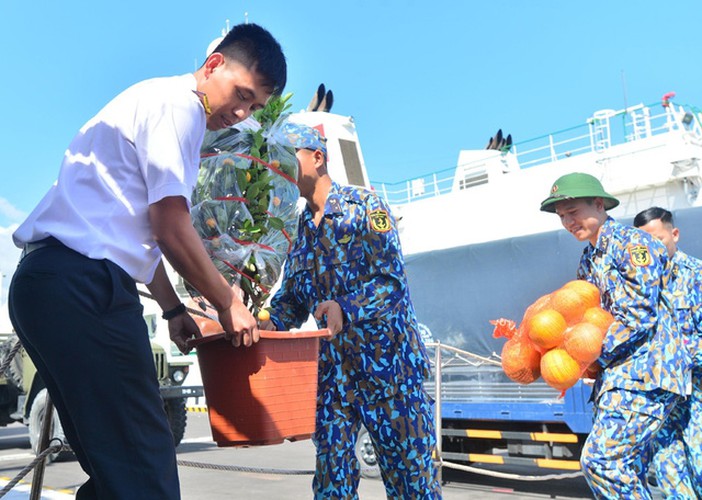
605, 234
334, 198
333, 204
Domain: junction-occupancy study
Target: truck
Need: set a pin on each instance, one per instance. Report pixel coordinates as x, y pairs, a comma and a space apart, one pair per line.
23, 394
477, 248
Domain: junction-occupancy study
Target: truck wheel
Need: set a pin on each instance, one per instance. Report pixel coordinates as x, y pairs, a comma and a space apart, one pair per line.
365, 453
36, 416
177, 417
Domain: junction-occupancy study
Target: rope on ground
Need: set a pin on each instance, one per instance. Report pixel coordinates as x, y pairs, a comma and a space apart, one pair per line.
54, 448
254, 470
239, 468
504, 475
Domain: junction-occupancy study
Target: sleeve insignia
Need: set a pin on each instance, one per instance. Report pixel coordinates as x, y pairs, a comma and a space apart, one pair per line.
380, 221
639, 255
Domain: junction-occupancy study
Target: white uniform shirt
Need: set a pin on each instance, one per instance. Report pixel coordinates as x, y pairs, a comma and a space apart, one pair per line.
140, 148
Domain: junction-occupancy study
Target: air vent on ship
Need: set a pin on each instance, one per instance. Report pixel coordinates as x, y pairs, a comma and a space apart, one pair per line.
472, 177
352, 162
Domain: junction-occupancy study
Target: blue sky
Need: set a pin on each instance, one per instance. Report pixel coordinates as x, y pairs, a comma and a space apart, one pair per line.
422, 80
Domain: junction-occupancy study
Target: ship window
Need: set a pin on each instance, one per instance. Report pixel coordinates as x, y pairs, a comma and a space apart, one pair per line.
352, 162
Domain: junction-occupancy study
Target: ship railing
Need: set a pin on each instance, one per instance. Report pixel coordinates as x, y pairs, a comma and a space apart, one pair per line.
604, 130
427, 186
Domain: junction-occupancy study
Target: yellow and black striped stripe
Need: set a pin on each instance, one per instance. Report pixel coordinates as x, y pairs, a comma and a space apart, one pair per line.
197, 409
522, 436
546, 463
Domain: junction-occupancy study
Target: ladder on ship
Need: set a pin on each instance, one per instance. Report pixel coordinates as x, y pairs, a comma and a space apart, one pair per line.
600, 138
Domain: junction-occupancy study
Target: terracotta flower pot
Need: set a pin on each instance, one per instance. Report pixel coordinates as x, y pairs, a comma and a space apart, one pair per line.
261, 394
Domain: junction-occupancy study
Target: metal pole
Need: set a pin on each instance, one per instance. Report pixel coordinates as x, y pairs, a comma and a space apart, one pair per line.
437, 404
44, 438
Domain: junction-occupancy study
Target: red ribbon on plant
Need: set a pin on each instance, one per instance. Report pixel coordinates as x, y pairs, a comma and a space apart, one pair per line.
232, 198
255, 243
260, 245
267, 165
257, 160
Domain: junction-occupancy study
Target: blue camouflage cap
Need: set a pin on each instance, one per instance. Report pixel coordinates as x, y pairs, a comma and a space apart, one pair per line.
305, 137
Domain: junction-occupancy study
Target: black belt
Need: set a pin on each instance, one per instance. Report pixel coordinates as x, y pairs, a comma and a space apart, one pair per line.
36, 245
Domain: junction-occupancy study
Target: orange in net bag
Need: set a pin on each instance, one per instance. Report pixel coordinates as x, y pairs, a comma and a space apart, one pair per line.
559, 339
521, 361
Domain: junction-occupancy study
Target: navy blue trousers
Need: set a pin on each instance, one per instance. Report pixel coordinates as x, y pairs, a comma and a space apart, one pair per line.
80, 321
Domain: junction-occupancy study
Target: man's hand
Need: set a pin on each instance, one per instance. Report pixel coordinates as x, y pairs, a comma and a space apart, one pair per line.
180, 329
334, 316
239, 324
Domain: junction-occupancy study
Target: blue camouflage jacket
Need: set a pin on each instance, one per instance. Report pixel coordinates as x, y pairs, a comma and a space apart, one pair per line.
685, 290
354, 257
643, 349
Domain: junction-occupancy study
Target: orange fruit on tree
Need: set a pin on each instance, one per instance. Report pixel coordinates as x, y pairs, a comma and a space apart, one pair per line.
583, 342
521, 362
598, 317
546, 328
588, 292
559, 369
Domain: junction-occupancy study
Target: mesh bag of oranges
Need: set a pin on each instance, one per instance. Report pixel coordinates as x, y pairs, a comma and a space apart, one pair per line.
559, 338
244, 205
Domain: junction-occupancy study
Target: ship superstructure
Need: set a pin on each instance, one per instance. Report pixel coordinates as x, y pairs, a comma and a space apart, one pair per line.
644, 155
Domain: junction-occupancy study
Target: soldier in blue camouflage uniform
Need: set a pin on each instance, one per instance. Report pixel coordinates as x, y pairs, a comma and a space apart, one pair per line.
677, 459
346, 268
645, 364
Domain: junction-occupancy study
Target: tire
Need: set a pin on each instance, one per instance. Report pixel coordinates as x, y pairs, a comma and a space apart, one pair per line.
177, 418
365, 453
36, 416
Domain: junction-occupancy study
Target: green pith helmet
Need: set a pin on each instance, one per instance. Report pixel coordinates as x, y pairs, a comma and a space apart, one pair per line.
577, 185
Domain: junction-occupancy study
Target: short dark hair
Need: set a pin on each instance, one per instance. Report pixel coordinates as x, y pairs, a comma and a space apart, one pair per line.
651, 214
255, 48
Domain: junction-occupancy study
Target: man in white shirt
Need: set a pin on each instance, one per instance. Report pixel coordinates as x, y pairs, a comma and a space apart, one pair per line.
120, 203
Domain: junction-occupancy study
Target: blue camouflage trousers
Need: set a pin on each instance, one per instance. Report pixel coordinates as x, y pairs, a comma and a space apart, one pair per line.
402, 431
677, 448
616, 454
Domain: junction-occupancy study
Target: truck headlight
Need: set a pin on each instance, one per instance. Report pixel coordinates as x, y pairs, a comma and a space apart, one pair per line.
178, 376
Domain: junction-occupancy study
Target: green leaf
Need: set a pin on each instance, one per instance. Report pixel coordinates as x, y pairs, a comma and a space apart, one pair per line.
252, 192
276, 223
241, 178
258, 140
